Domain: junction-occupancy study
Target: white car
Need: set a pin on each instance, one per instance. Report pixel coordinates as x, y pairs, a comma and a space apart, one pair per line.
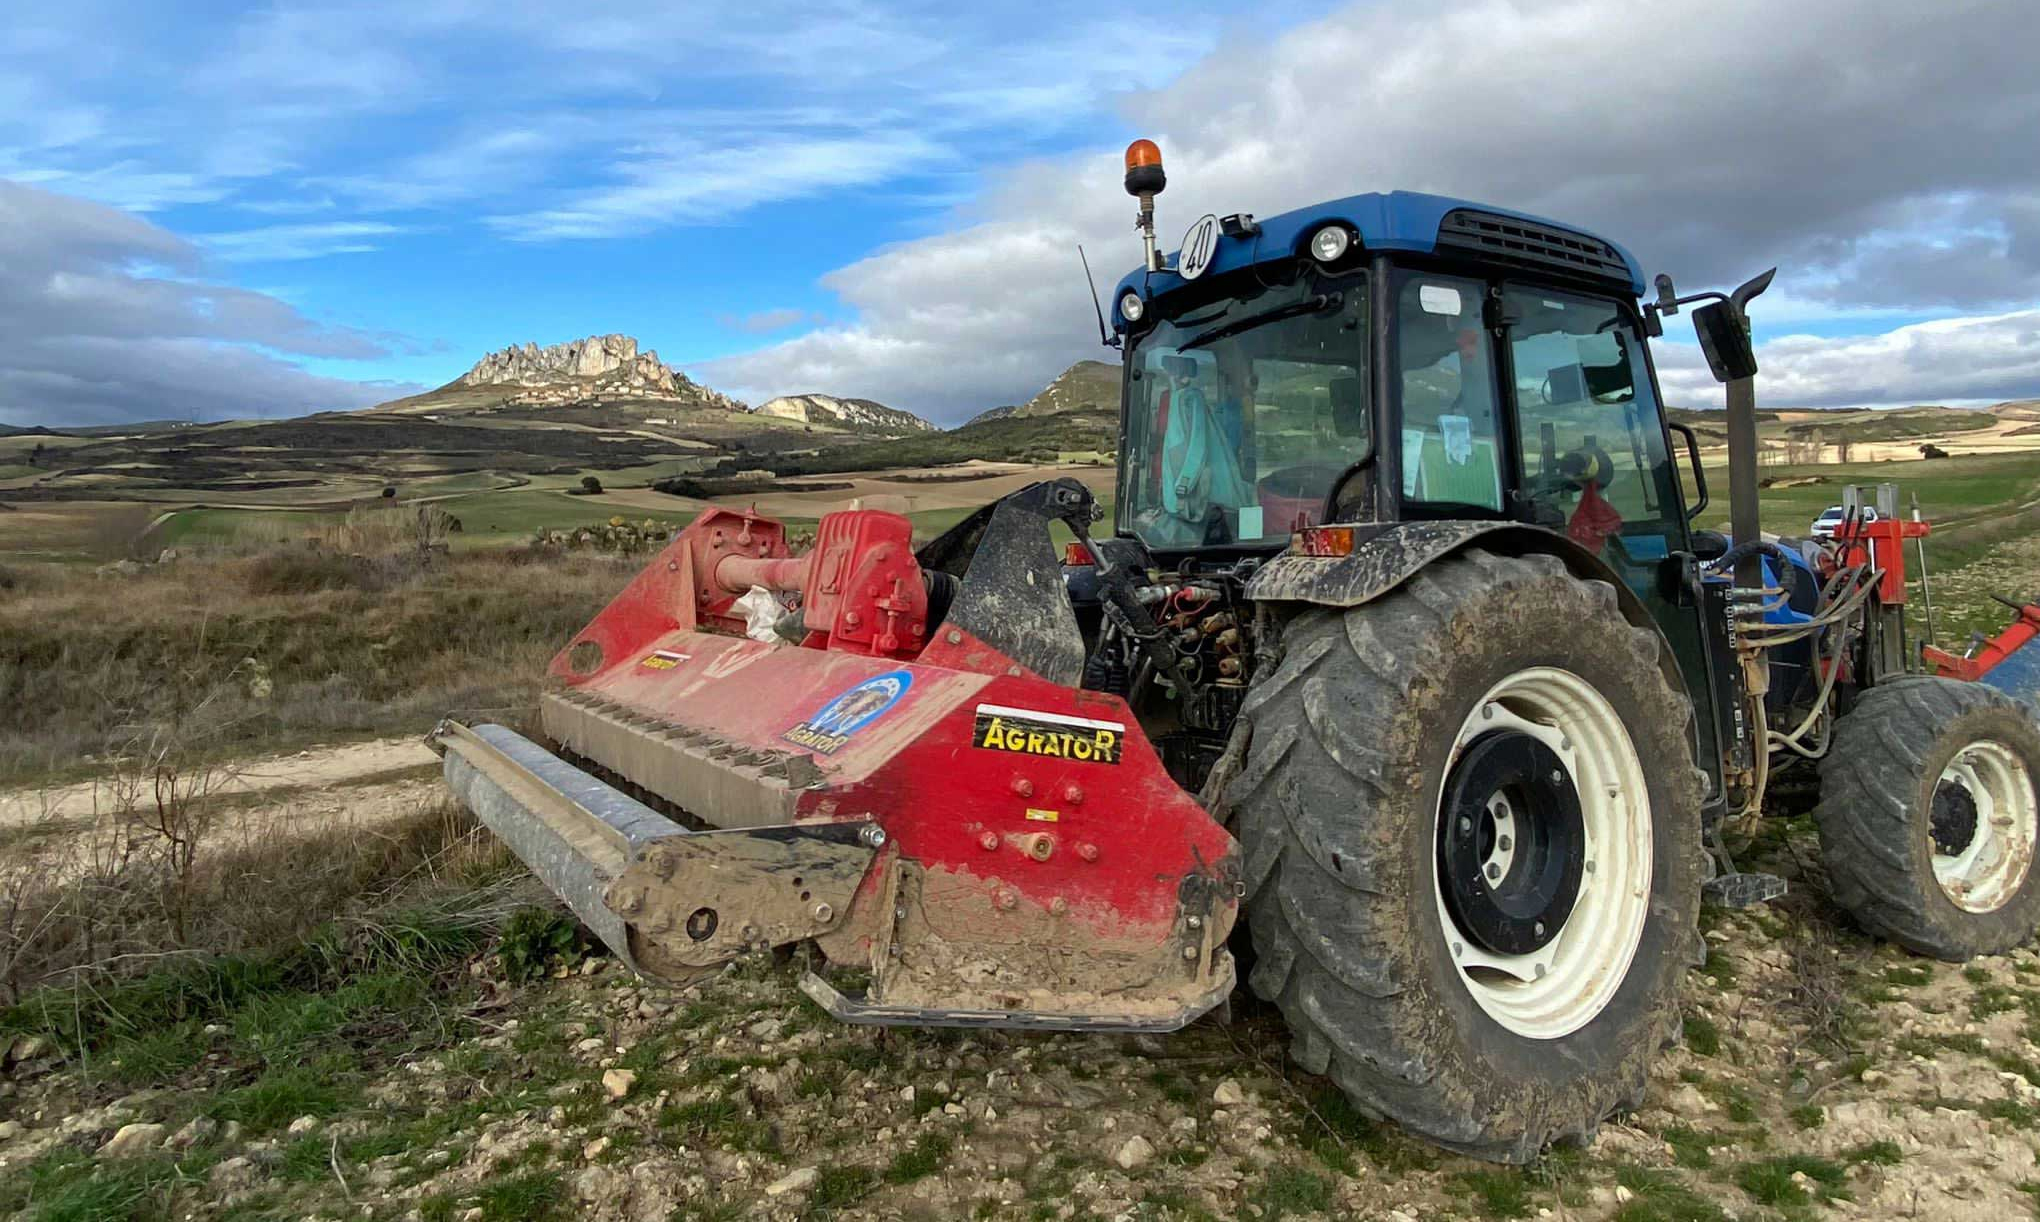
1831, 517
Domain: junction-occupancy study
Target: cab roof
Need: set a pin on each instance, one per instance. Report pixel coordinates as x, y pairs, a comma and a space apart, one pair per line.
1411, 221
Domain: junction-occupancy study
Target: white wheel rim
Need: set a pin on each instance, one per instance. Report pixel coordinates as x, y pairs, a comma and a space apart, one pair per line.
1562, 986
1983, 874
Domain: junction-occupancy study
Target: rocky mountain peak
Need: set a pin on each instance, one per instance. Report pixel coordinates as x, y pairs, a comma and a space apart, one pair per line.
594, 357
598, 367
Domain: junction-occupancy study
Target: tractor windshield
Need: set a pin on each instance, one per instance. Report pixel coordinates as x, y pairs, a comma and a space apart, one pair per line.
1242, 413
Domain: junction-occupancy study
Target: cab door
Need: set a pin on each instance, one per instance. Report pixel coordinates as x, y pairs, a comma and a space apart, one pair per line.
1591, 458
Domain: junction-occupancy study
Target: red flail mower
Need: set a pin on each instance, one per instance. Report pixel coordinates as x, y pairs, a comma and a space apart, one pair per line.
883, 776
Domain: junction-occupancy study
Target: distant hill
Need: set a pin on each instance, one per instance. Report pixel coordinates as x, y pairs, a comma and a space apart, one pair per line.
1074, 418
1085, 386
992, 413
862, 414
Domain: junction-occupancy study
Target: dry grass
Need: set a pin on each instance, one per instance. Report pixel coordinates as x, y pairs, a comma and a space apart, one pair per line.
170, 866
292, 645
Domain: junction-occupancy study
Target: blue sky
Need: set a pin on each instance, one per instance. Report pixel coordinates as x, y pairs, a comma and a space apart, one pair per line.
272, 208
461, 176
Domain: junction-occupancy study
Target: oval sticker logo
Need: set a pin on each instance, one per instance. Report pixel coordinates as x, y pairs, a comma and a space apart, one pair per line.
1200, 245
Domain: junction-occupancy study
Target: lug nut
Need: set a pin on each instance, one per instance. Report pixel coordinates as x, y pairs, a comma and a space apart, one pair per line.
1089, 852
988, 842
1494, 871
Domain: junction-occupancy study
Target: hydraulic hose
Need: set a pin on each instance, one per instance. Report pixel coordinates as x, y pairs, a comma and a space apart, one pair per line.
1788, 572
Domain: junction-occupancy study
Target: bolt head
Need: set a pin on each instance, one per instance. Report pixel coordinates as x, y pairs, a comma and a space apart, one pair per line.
1023, 786
873, 836
824, 913
1189, 952
988, 842
953, 637
1058, 906
1073, 794
1195, 922
1505, 844
1089, 852
1008, 901
1493, 871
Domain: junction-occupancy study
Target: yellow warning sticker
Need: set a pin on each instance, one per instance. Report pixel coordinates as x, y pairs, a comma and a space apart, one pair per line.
663, 659
1043, 816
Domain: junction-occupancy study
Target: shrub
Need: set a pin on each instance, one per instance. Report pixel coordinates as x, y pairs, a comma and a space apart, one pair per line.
536, 940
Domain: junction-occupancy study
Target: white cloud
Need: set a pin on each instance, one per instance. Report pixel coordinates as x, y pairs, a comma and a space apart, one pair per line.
1952, 360
275, 243
107, 318
1883, 154
682, 181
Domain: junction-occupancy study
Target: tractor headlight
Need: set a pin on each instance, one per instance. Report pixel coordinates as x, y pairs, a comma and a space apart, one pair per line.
1329, 244
1131, 307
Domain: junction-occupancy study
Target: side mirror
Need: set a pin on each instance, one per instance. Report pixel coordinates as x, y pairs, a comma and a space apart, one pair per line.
1724, 342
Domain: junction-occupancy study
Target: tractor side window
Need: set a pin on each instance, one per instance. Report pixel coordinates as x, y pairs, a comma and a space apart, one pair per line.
1451, 447
1593, 451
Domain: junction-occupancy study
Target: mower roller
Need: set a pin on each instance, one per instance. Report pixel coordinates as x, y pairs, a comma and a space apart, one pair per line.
1406, 586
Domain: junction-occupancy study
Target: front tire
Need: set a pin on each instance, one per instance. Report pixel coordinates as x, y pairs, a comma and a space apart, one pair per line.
1928, 818
1462, 925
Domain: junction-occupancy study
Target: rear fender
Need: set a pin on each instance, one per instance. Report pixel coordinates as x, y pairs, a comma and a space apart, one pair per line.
1386, 555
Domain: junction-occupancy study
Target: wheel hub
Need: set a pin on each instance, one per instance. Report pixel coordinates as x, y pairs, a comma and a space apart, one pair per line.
1953, 821
1512, 844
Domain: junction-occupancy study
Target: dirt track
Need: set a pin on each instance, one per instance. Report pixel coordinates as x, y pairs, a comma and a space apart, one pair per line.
319, 769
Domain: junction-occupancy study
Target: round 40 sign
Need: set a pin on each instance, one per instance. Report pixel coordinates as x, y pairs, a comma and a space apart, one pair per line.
1199, 245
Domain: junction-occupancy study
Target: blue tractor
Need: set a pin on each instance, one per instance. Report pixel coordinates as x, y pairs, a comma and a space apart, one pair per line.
1406, 579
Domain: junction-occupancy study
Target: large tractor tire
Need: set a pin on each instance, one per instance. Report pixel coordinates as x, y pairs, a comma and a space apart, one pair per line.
1471, 825
1928, 819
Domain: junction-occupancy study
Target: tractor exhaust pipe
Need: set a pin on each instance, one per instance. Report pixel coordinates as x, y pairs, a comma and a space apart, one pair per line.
1744, 519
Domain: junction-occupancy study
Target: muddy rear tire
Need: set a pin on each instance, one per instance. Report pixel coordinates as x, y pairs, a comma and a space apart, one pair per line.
1928, 817
1380, 729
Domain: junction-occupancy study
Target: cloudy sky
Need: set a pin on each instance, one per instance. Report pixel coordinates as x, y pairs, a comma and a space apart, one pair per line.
211, 210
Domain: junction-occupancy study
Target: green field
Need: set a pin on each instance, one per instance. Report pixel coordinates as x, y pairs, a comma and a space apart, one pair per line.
1952, 491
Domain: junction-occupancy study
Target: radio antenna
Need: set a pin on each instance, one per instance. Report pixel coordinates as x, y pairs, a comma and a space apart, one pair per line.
1104, 337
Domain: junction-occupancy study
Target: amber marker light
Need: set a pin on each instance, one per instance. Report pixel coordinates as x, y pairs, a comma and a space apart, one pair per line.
1144, 174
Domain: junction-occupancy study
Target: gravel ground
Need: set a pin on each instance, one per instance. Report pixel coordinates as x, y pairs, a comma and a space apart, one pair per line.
1821, 1076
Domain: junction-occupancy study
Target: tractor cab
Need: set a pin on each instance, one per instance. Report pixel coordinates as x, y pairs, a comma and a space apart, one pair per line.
1389, 358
